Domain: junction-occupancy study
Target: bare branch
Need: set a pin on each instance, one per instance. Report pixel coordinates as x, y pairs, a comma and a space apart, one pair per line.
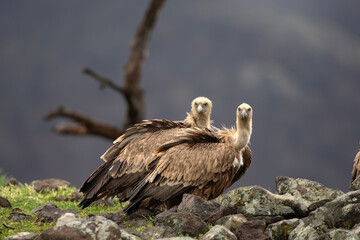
85, 124
104, 82
132, 91
132, 70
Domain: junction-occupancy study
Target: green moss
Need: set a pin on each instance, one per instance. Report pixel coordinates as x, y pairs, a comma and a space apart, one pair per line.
347, 224
25, 198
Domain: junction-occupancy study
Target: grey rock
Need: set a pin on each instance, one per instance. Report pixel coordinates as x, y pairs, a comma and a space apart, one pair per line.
4, 203
219, 233
345, 209
309, 191
318, 204
157, 232
50, 212
198, 206
266, 219
354, 234
64, 233
70, 226
168, 212
302, 232
282, 229
23, 236
48, 206
224, 211
338, 234
231, 222
177, 238
183, 223
355, 185
48, 184
256, 201
252, 230
315, 226
18, 217
140, 214
116, 217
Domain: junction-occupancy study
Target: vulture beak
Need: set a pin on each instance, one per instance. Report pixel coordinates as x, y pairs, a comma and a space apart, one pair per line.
244, 113
199, 108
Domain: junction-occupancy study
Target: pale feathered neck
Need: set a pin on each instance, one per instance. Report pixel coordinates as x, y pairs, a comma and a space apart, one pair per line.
198, 121
243, 132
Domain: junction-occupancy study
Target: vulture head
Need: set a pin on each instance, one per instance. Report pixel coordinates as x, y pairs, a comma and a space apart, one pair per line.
201, 110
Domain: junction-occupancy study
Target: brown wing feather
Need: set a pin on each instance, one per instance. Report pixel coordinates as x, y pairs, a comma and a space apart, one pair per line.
199, 167
247, 158
147, 127
356, 167
128, 159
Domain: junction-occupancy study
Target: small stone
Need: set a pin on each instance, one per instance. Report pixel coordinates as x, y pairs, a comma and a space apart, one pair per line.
231, 222
316, 226
183, 223
50, 212
198, 206
48, 206
18, 217
177, 238
14, 182
338, 234
168, 212
157, 232
116, 217
225, 211
4, 203
252, 230
302, 232
23, 236
48, 184
217, 233
266, 219
281, 230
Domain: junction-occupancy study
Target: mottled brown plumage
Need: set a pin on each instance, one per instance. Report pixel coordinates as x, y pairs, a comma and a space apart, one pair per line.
198, 117
125, 161
200, 162
356, 168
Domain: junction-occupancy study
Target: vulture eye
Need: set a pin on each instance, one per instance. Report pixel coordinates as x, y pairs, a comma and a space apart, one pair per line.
249, 109
196, 104
205, 104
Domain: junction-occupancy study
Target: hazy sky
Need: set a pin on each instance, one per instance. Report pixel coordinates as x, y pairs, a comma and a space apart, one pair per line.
296, 63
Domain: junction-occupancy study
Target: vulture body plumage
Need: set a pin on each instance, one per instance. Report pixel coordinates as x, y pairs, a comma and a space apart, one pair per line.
125, 161
199, 162
356, 167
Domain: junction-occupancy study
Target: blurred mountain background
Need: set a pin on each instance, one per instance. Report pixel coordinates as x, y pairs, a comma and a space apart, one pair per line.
297, 63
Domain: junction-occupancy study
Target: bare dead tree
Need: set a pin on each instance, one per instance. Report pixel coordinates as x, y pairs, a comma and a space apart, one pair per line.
132, 90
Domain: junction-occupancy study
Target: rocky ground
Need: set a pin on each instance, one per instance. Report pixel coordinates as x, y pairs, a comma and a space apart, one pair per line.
300, 209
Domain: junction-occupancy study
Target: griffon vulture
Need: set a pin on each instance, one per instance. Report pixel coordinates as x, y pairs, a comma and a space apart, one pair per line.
199, 162
356, 167
125, 161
